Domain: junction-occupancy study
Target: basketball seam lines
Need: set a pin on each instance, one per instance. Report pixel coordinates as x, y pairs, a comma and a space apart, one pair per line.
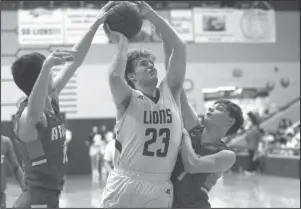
117, 21
115, 10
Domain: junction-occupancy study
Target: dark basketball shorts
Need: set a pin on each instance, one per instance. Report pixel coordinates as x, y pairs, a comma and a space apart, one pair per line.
36, 197
193, 200
3, 200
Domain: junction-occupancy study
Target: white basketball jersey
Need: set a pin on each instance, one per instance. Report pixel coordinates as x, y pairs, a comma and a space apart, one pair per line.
149, 133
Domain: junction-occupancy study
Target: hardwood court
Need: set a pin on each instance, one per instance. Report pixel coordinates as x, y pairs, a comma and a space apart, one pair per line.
233, 190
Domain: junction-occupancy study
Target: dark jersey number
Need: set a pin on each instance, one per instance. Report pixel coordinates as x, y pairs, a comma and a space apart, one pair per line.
164, 134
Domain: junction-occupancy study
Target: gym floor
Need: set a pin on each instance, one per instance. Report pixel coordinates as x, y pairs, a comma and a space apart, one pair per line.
232, 190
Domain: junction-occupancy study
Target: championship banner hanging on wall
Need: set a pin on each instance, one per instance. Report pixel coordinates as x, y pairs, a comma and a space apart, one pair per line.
182, 21
40, 27
234, 26
77, 23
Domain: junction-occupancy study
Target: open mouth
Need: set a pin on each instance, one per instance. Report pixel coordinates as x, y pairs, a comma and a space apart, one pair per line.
153, 71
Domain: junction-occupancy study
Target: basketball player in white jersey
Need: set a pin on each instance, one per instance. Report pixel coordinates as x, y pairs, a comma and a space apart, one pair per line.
149, 125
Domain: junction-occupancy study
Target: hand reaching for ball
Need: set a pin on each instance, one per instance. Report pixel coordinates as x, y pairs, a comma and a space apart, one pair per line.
144, 8
113, 36
106, 11
60, 56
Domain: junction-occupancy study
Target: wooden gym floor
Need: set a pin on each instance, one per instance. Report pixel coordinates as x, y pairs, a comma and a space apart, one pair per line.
232, 190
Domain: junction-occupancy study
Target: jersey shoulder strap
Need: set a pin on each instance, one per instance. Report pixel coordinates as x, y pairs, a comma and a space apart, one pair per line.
55, 105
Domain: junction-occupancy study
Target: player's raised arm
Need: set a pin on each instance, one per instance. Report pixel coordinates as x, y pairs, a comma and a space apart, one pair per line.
218, 162
14, 164
38, 95
167, 53
190, 117
81, 49
121, 91
176, 67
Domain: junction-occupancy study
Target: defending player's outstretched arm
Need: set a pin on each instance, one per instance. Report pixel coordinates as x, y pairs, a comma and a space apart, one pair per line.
167, 53
218, 162
190, 117
177, 63
13, 162
38, 96
81, 49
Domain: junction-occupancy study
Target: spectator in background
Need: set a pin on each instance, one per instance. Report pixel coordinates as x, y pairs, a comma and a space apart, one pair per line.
103, 132
109, 154
96, 151
253, 137
268, 137
283, 125
293, 141
266, 113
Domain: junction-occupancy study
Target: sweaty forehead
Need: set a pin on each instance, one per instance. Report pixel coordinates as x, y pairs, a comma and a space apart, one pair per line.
145, 58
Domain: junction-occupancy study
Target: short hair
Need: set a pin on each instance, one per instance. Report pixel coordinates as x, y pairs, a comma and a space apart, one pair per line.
130, 64
26, 69
234, 112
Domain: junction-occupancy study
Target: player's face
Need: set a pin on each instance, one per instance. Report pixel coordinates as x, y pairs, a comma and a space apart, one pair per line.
219, 116
94, 129
145, 71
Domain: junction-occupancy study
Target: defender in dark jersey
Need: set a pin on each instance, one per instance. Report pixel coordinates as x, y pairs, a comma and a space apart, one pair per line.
204, 157
8, 155
38, 127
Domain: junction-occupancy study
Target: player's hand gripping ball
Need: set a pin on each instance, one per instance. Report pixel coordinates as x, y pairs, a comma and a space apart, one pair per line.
125, 19
144, 8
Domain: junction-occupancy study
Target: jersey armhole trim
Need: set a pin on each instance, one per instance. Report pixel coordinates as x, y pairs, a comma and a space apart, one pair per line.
164, 84
128, 106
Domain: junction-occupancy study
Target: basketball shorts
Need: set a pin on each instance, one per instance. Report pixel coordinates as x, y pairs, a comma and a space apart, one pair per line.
36, 197
133, 190
3, 200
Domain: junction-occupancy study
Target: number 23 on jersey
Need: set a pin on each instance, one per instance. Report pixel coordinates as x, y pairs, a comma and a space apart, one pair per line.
157, 136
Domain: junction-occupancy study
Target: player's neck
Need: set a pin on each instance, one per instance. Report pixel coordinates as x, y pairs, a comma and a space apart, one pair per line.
149, 91
212, 135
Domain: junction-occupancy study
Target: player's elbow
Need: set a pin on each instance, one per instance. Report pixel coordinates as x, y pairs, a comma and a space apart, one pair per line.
225, 163
229, 161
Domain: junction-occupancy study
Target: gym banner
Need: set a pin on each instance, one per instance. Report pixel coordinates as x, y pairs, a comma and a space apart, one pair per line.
234, 26
181, 20
76, 24
40, 27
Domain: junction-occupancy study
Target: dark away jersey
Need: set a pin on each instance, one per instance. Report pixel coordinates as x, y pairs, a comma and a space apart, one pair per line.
44, 159
191, 190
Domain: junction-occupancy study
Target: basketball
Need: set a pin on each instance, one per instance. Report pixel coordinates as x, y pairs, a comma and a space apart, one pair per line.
125, 19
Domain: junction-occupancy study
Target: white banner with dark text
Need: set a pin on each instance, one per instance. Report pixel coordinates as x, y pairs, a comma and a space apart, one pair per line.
77, 23
201, 25
40, 27
182, 21
234, 26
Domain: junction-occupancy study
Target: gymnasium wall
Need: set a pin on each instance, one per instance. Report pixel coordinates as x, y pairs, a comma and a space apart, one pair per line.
87, 99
